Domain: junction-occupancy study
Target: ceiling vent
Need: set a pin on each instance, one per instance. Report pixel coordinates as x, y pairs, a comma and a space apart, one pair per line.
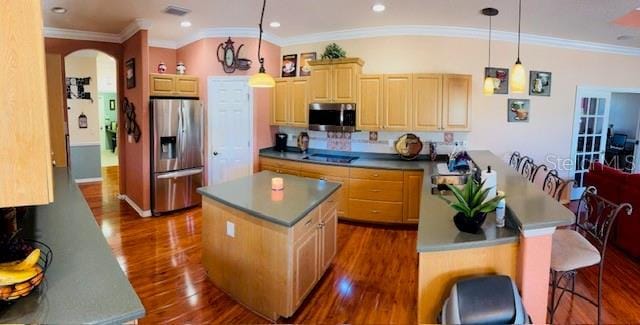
176, 11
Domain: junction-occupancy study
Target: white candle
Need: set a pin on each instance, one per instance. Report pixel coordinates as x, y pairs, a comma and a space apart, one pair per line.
277, 184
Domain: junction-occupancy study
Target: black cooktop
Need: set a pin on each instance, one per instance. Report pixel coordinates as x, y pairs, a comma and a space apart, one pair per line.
331, 158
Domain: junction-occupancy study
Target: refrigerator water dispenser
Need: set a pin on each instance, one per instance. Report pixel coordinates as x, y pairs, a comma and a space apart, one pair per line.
167, 147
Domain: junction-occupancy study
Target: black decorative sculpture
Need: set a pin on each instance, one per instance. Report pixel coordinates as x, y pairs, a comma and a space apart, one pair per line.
229, 57
131, 126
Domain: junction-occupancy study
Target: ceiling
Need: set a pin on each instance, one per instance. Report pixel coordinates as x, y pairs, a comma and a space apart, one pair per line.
583, 20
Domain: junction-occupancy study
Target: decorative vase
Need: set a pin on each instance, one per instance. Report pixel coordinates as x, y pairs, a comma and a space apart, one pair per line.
470, 225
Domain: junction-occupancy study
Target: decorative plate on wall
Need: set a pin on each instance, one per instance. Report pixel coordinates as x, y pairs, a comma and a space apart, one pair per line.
408, 146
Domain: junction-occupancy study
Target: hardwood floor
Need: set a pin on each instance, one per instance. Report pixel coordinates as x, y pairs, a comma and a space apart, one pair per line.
373, 278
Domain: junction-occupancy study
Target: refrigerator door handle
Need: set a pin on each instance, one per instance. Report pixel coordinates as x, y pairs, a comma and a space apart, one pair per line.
182, 173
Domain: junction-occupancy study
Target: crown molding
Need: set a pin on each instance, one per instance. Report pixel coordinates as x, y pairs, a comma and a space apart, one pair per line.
125, 34
228, 32
167, 44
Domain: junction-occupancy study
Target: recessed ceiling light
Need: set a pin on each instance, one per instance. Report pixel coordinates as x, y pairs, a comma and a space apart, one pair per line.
185, 23
274, 24
624, 37
59, 10
378, 7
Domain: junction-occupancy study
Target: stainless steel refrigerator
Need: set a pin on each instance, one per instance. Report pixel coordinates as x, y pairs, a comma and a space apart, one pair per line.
177, 154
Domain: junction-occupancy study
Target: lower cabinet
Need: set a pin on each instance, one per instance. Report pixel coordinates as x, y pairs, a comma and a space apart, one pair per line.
366, 194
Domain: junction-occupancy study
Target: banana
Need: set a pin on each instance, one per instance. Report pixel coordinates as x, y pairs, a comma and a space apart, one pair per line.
8, 277
25, 264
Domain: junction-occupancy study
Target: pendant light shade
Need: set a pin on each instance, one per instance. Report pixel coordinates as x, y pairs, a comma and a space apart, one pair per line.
518, 78
488, 88
261, 79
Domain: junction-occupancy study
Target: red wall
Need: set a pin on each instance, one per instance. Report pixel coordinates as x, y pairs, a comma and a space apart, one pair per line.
134, 173
200, 58
159, 54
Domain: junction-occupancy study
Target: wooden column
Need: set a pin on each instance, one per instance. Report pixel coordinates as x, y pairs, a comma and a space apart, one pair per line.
534, 262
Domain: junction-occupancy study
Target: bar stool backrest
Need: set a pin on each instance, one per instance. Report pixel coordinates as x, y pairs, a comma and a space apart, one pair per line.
529, 169
554, 185
514, 161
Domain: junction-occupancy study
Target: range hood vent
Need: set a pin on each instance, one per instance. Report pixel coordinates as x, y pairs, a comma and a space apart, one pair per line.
176, 11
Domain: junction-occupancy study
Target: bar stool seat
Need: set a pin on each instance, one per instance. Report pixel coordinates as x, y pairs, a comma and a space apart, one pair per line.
571, 251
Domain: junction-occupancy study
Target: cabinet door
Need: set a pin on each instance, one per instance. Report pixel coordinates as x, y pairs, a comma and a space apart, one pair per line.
412, 192
427, 102
343, 194
299, 104
280, 107
345, 82
397, 102
456, 106
320, 81
328, 237
305, 265
186, 86
162, 85
369, 107
25, 162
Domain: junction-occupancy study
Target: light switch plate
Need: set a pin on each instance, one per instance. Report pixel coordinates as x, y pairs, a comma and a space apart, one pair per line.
231, 229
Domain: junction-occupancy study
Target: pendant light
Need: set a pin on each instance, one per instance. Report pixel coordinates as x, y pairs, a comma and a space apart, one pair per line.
518, 77
261, 79
489, 85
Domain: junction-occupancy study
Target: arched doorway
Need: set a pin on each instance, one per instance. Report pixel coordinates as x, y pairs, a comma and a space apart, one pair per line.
91, 108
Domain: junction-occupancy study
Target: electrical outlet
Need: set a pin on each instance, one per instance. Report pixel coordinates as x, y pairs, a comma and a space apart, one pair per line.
231, 229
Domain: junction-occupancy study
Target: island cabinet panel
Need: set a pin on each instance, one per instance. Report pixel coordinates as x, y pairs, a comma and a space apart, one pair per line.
328, 238
412, 193
305, 265
369, 107
427, 102
456, 106
397, 102
439, 270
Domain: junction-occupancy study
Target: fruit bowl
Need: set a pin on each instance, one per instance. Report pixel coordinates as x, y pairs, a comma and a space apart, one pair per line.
19, 278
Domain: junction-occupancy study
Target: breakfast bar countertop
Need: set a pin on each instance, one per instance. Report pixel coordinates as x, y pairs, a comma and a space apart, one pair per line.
253, 195
84, 283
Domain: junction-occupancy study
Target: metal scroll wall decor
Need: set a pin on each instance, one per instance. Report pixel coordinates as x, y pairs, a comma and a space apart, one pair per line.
230, 58
131, 126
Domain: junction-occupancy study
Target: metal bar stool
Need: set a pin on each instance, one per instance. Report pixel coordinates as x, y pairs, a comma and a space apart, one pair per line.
583, 247
529, 169
554, 185
514, 161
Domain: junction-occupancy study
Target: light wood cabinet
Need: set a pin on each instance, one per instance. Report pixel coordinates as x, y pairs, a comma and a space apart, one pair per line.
456, 106
412, 193
291, 102
305, 264
427, 102
25, 158
369, 107
168, 85
328, 239
335, 80
397, 102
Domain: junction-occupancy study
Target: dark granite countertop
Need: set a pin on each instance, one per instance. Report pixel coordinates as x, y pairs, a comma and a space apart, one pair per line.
528, 207
253, 195
84, 284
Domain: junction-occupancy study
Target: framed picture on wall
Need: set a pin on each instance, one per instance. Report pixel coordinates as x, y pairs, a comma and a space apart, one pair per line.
289, 65
112, 104
500, 79
518, 110
305, 68
130, 73
539, 83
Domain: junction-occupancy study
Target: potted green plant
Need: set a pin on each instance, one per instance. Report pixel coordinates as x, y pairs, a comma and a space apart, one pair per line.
472, 205
333, 51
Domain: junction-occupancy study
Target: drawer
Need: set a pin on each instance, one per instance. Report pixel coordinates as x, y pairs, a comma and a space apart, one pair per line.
324, 170
280, 163
329, 204
376, 174
375, 211
308, 223
342, 193
365, 189
279, 170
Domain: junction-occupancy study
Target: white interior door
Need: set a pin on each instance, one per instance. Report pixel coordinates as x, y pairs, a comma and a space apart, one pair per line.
589, 133
229, 129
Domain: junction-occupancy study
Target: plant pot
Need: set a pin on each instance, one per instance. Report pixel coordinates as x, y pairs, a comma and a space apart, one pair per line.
470, 225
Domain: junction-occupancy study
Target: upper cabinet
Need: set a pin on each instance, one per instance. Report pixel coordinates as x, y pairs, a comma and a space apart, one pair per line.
173, 85
456, 112
291, 102
26, 177
414, 102
335, 80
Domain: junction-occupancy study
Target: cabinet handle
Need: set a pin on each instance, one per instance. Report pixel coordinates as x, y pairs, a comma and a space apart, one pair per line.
375, 191
321, 225
323, 178
308, 222
374, 211
375, 175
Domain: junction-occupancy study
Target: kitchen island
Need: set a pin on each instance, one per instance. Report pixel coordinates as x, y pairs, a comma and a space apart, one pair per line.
268, 249
521, 250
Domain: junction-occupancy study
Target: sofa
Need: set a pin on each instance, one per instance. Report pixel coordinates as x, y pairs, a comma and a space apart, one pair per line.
619, 187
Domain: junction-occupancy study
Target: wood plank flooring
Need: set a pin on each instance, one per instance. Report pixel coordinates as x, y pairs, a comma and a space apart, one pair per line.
373, 278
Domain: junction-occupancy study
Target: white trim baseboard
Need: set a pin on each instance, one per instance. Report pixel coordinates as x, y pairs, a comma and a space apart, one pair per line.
84, 144
142, 213
88, 180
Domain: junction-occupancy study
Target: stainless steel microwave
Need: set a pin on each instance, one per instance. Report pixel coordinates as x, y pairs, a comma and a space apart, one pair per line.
333, 117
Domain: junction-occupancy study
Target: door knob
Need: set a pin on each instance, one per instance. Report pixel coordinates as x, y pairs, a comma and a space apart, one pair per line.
215, 153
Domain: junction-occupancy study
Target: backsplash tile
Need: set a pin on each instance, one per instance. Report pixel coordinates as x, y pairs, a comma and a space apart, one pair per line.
363, 142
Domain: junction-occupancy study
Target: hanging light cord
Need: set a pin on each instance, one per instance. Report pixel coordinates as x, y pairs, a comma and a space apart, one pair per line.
489, 42
261, 59
519, 22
